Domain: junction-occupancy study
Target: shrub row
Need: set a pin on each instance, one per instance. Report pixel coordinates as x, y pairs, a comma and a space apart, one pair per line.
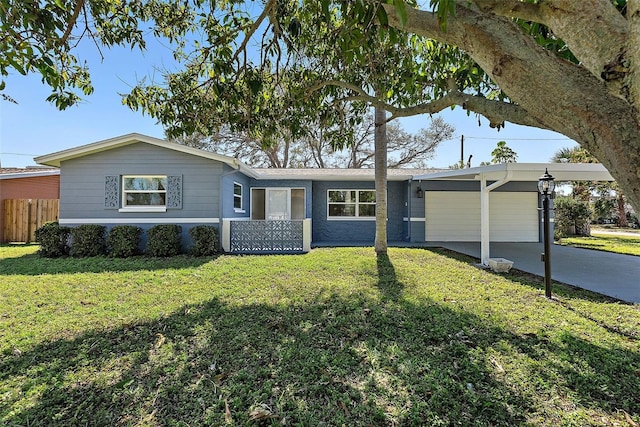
123, 240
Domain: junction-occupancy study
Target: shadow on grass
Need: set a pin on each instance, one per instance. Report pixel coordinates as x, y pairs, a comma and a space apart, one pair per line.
34, 265
388, 283
331, 361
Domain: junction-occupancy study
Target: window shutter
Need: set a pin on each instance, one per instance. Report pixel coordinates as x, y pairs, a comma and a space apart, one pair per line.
174, 192
112, 192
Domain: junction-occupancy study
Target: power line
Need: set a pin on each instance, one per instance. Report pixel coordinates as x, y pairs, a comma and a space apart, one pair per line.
21, 154
518, 139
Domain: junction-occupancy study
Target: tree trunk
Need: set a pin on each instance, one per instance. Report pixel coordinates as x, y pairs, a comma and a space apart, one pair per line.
622, 213
381, 180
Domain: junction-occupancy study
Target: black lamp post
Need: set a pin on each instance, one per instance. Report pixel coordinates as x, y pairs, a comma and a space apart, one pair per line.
546, 185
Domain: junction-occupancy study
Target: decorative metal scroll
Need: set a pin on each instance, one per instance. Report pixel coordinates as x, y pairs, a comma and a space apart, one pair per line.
112, 192
174, 192
266, 236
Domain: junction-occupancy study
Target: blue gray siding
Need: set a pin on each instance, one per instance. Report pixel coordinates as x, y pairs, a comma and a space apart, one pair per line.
82, 189
228, 178
352, 230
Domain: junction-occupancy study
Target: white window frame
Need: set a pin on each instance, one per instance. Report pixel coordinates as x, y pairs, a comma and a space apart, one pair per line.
357, 205
239, 196
142, 208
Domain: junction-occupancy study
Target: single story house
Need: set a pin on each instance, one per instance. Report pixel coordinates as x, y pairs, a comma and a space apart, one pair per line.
25, 183
140, 180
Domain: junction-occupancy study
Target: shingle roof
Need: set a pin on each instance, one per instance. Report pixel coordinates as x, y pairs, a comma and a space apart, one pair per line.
10, 173
340, 174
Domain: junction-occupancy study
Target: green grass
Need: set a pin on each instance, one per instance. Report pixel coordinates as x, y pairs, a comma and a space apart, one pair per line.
334, 337
629, 245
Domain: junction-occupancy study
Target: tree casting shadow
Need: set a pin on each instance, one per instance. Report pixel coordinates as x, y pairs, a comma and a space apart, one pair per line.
337, 361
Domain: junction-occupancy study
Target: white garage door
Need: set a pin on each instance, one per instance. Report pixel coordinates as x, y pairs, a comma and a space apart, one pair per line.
454, 216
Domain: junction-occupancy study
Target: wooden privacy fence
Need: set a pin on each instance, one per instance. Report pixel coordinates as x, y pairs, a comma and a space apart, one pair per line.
23, 216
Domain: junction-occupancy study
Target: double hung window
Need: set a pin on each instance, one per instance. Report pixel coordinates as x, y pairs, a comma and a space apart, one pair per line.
237, 197
351, 203
144, 192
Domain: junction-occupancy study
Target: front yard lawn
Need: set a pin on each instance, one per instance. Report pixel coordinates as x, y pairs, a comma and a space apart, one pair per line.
334, 337
629, 245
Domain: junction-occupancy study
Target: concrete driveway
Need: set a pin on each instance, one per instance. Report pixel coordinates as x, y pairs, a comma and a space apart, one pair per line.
609, 274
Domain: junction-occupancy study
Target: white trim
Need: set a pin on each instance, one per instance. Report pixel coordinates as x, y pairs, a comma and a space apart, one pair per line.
143, 209
54, 159
162, 220
525, 172
357, 204
244, 218
415, 219
241, 195
351, 218
225, 235
34, 174
306, 235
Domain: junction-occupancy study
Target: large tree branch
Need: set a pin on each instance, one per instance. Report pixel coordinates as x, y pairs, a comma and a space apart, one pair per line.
497, 112
72, 21
254, 27
594, 30
513, 8
517, 64
564, 97
599, 43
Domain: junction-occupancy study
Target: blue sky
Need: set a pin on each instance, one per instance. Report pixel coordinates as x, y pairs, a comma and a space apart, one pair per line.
34, 127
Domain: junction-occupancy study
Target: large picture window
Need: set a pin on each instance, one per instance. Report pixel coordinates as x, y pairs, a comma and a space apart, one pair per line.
351, 204
144, 191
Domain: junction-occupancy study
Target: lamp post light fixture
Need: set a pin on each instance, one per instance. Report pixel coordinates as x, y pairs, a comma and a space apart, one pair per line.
546, 185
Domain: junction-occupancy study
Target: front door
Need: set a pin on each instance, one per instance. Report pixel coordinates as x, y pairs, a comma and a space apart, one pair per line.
278, 206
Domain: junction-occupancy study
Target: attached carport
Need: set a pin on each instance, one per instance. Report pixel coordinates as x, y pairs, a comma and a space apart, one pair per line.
469, 216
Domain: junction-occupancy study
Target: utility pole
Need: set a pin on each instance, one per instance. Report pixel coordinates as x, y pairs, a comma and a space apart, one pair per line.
462, 151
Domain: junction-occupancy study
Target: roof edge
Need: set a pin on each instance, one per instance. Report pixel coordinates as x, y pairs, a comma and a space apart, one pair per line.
55, 159
33, 174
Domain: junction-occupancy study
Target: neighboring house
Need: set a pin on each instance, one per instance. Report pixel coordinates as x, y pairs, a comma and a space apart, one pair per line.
26, 183
136, 179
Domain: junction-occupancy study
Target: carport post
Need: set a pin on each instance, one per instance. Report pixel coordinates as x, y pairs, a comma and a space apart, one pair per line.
484, 212
484, 221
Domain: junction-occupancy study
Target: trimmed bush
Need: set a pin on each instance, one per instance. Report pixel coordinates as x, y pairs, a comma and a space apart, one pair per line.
205, 240
164, 240
53, 239
88, 240
123, 241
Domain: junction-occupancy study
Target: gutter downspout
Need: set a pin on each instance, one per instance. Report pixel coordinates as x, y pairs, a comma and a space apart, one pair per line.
484, 212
